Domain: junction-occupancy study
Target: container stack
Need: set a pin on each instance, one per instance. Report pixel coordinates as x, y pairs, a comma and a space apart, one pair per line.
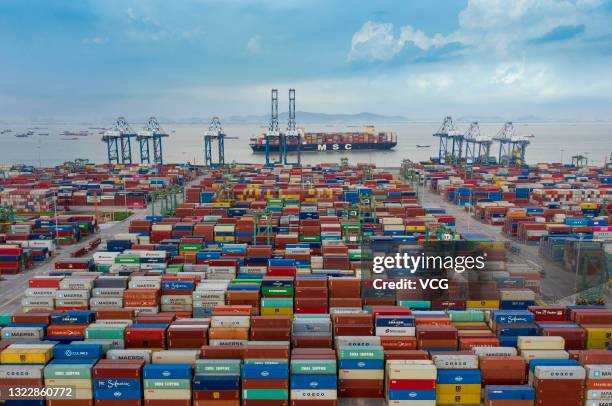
510, 324
433, 337
562, 385
313, 377
217, 382
396, 331
265, 381
167, 383
229, 329
542, 347
11, 259
598, 384
208, 294
361, 371
270, 328
15, 376
117, 380
151, 336
75, 374
311, 295
410, 382
311, 332
459, 379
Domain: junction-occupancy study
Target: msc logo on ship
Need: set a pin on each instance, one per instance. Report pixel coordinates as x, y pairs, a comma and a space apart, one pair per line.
334, 147
265, 373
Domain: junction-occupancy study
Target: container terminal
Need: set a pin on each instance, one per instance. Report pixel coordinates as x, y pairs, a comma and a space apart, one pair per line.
244, 284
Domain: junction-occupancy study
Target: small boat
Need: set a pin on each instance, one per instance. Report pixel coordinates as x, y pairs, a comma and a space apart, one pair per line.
43, 134
69, 139
422, 146
8, 130
21, 135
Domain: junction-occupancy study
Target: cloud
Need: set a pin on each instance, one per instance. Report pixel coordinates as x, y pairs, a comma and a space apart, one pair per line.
95, 41
254, 44
486, 28
560, 33
377, 41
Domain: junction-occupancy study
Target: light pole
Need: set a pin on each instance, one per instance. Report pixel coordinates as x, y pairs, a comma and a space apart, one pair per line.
55, 214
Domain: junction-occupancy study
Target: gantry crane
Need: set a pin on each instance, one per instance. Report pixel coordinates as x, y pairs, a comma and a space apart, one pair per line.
447, 133
216, 134
118, 142
477, 146
511, 146
273, 132
152, 132
291, 136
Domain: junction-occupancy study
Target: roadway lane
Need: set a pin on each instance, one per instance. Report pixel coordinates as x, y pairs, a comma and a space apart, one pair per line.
557, 283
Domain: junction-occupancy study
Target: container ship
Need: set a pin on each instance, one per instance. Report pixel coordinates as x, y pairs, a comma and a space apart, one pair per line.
368, 139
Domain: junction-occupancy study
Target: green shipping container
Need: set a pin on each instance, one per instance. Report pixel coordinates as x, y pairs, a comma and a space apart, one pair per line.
265, 394
466, 315
217, 366
350, 352
416, 304
5, 319
127, 259
167, 384
271, 291
105, 332
312, 366
68, 371
276, 302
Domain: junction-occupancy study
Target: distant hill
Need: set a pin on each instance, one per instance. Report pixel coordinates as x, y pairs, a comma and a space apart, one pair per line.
310, 117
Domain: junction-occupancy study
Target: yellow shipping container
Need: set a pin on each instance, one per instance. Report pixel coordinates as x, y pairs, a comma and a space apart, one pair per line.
597, 337
452, 399
489, 304
26, 356
465, 389
276, 311
221, 204
415, 228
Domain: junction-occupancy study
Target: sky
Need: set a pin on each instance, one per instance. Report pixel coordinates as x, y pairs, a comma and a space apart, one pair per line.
94, 59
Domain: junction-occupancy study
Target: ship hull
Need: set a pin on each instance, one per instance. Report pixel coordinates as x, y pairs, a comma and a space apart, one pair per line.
329, 147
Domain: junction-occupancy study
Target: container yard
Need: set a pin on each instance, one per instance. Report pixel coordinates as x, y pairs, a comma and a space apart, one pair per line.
256, 286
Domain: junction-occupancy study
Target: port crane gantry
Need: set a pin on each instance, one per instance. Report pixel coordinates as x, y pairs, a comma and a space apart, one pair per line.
273, 132
511, 146
152, 132
216, 134
118, 142
291, 134
448, 134
477, 146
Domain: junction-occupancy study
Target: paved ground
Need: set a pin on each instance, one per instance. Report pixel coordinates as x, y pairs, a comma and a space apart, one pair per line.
12, 287
557, 283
